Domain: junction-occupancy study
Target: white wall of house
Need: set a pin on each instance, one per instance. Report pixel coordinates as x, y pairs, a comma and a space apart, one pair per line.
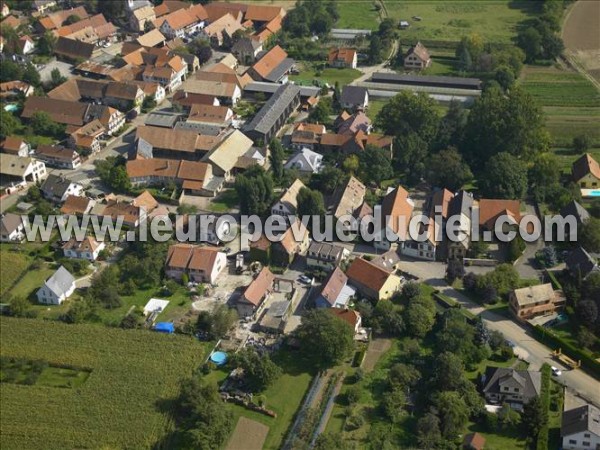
47, 297
584, 440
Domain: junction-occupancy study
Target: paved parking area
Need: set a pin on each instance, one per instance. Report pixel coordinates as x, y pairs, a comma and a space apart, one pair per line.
63, 67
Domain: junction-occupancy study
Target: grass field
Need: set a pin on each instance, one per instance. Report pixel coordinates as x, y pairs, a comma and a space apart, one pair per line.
570, 102
495, 20
123, 404
328, 75
12, 266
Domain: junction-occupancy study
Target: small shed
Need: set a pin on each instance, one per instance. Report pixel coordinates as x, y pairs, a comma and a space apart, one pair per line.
165, 327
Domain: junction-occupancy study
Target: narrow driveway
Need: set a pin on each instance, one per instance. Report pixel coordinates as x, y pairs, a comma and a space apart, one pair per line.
537, 353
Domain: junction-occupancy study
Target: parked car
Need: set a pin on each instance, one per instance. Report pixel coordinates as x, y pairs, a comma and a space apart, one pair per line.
556, 371
304, 279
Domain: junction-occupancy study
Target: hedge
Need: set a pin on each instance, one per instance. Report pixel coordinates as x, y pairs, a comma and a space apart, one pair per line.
447, 302
542, 438
587, 361
555, 284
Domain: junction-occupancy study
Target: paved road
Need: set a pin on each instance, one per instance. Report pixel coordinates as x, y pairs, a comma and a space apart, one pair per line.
533, 351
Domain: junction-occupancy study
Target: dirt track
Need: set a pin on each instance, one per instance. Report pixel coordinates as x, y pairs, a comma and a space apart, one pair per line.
581, 36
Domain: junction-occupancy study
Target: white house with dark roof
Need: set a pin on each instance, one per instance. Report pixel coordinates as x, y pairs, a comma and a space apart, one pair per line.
511, 386
580, 428
11, 228
58, 188
57, 288
88, 249
354, 97
305, 160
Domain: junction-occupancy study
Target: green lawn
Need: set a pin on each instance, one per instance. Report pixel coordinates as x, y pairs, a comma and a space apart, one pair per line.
494, 20
328, 75
374, 107
441, 66
179, 304
225, 201
494, 441
125, 402
32, 281
357, 15
12, 266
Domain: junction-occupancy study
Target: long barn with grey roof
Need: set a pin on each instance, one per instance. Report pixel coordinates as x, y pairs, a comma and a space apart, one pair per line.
274, 114
427, 80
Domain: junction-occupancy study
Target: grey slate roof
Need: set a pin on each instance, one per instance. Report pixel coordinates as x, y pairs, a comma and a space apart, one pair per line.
430, 80
268, 115
580, 261
585, 418
529, 380
353, 95
270, 88
60, 282
575, 209
55, 186
200, 128
279, 71
246, 45
164, 120
461, 203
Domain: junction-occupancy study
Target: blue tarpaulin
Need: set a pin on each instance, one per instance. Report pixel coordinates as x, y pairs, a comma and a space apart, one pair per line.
164, 327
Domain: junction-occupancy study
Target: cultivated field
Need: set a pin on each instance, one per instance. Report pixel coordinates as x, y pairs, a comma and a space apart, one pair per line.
123, 404
248, 435
580, 34
495, 21
569, 100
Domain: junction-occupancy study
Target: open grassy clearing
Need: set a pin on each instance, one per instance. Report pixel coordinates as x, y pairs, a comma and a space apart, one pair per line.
39, 373
328, 75
125, 402
12, 266
357, 15
495, 21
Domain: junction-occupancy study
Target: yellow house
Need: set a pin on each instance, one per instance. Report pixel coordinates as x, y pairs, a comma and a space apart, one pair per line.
373, 281
586, 172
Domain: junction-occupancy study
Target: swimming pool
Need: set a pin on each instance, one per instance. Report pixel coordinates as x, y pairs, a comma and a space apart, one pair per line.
12, 107
219, 358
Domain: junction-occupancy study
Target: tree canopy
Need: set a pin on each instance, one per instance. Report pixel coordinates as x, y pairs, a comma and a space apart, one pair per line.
325, 338
504, 176
255, 191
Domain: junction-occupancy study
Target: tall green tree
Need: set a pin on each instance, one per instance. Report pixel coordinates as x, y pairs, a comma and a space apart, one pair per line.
428, 431
325, 338
9, 124
534, 417
409, 113
259, 371
47, 43
375, 165
500, 122
447, 169
276, 157
203, 419
453, 413
255, 191
504, 176
310, 203
530, 40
